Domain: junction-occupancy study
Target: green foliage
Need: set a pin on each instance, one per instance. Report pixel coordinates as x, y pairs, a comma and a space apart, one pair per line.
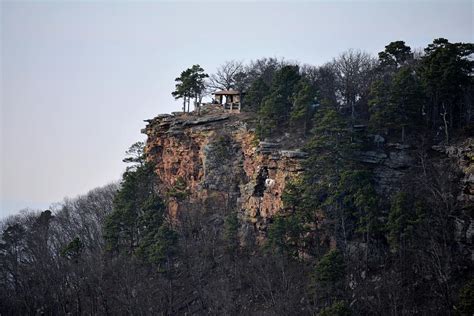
292, 197
331, 268
338, 308
231, 229
121, 226
466, 298
405, 214
331, 181
401, 256
395, 54
137, 225
150, 221
73, 250
159, 244
446, 69
446, 73
396, 101
329, 149
284, 235
272, 114
190, 84
276, 107
303, 105
328, 278
379, 103
256, 93
135, 154
356, 193
179, 189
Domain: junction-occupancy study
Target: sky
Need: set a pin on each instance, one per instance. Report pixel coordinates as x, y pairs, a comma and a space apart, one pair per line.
78, 78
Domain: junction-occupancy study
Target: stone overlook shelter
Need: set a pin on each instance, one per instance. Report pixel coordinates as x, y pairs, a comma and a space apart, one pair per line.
232, 101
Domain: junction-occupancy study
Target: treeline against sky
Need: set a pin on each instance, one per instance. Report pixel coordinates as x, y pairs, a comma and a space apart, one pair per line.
342, 245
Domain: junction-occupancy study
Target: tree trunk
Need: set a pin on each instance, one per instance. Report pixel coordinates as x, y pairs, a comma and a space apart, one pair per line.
446, 132
197, 107
353, 112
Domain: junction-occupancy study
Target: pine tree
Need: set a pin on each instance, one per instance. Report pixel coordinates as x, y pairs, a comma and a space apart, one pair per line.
276, 107
256, 93
446, 72
396, 101
285, 235
303, 106
395, 55
328, 278
404, 217
190, 84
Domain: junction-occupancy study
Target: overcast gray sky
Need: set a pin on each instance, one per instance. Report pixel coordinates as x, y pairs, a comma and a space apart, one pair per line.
79, 78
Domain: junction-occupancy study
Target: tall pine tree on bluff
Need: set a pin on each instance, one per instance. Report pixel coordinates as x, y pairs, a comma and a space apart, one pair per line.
276, 107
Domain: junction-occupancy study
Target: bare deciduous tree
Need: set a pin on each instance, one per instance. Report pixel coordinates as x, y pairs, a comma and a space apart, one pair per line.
229, 75
353, 70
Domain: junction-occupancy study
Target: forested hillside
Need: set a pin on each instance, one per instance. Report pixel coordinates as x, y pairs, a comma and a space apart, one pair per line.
366, 208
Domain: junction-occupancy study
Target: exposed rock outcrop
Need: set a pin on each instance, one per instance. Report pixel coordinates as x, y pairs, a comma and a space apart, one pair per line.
214, 161
222, 165
463, 155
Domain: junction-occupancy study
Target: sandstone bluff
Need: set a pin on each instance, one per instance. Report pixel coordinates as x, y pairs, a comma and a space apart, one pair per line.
214, 160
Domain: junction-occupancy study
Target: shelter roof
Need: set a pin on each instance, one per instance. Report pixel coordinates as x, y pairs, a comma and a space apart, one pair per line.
227, 92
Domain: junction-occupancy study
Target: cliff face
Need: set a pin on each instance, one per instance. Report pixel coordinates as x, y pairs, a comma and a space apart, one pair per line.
462, 155
214, 161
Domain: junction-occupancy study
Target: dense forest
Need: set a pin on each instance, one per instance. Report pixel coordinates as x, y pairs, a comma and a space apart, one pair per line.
339, 247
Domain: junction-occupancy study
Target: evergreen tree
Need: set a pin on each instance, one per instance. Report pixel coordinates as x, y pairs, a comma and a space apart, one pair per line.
355, 191
404, 217
135, 155
122, 229
303, 106
328, 278
256, 93
379, 104
137, 225
73, 250
190, 84
276, 107
406, 100
285, 235
396, 101
446, 72
395, 55
197, 84
329, 150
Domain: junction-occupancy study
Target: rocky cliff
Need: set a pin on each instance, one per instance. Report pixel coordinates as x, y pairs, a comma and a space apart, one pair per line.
215, 161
